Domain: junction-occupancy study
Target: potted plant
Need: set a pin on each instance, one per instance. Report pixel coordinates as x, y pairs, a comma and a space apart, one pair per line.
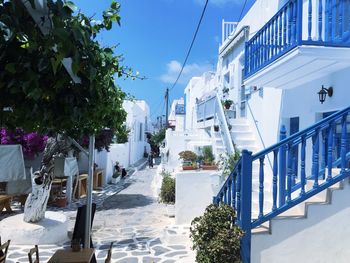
215, 236
225, 90
209, 159
188, 160
216, 128
227, 103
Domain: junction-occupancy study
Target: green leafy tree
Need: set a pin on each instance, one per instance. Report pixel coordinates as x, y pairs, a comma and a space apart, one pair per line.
37, 92
216, 237
56, 77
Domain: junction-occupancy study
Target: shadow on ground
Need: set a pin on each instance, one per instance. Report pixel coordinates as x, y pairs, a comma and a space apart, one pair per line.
126, 201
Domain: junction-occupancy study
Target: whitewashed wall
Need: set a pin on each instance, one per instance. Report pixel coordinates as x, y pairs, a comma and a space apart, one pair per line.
324, 236
194, 192
181, 141
138, 121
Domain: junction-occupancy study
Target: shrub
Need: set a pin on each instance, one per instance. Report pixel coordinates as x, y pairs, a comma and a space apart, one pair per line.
215, 236
227, 163
208, 155
188, 156
167, 191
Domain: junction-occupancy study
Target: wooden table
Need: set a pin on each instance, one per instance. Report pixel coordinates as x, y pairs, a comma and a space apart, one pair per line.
5, 203
68, 256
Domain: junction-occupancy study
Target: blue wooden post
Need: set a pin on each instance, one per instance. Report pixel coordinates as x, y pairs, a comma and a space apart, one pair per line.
285, 27
225, 195
326, 21
265, 45
341, 14
302, 166
315, 163
274, 181
299, 21
246, 217
323, 154
269, 39
280, 33
246, 59
289, 173
276, 35
343, 144
320, 11
282, 169
294, 32
239, 176
330, 151
333, 20
229, 197
234, 180
309, 25
289, 24
261, 187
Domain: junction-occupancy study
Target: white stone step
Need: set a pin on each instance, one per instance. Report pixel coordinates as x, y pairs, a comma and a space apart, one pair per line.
176, 234
240, 127
246, 142
239, 121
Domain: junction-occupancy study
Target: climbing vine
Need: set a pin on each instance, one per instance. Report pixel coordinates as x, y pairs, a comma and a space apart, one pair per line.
37, 92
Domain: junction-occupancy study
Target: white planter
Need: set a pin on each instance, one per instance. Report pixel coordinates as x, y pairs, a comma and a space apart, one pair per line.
116, 180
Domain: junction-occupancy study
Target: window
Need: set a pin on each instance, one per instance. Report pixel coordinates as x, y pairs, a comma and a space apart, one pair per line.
141, 132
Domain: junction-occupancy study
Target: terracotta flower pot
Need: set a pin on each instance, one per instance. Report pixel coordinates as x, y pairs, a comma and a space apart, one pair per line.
188, 167
61, 201
209, 167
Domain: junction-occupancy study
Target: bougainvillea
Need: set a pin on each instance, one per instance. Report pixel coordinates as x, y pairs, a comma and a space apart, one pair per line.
32, 143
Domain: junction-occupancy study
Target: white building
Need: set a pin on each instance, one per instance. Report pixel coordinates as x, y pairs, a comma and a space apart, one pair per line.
285, 63
176, 117
129, 153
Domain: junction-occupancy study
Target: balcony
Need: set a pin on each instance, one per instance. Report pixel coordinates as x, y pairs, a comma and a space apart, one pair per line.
303, 41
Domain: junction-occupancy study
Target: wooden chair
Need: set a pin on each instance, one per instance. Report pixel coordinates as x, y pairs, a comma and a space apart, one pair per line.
31, 252
3, 251
109, 254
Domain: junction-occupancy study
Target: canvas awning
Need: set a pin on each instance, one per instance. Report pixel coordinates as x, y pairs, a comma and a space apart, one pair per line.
11, 163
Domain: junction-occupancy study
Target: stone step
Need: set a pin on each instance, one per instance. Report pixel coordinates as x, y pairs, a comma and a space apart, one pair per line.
176, 234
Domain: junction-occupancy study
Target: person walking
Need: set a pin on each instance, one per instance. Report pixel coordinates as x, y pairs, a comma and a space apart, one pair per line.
150, 160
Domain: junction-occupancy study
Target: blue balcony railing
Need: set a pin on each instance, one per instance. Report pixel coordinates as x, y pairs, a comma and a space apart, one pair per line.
326, 164
298, 22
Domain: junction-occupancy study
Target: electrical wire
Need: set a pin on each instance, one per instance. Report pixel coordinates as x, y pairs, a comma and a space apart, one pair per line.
158, 107
192, 42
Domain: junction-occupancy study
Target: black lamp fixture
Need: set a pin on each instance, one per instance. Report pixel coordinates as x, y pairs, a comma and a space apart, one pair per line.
322, 94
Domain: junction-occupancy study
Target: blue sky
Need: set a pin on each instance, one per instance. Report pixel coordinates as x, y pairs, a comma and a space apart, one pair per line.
154, 38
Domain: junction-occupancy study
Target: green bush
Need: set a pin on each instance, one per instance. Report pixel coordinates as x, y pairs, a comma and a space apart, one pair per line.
188, 156
208, 155
215, 236
167, 191
227, 163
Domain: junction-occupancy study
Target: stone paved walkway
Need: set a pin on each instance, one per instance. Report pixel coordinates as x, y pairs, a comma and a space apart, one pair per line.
128, 215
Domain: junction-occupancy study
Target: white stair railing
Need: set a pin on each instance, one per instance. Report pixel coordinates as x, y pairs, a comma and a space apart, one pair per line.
224, 130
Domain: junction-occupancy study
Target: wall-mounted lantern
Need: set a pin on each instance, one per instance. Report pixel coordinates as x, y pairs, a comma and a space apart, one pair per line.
322, 94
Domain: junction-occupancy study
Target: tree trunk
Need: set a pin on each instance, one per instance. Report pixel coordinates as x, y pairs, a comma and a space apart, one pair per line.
35, 206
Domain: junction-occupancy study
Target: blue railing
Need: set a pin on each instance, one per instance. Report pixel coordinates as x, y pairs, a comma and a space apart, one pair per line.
324, 165
298, 22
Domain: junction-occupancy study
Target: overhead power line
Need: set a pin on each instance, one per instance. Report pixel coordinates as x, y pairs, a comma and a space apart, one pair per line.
192, 42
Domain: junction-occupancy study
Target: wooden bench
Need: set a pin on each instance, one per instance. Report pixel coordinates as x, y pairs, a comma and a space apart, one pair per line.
98, 177
5, 203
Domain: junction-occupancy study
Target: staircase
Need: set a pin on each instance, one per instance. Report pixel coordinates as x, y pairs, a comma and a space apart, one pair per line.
210, 112
242, 135
280, 208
